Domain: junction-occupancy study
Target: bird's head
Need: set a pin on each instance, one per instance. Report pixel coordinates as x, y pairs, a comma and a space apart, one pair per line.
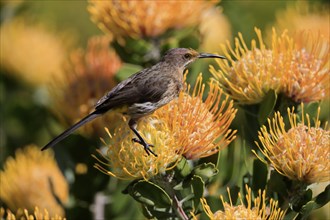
182, 57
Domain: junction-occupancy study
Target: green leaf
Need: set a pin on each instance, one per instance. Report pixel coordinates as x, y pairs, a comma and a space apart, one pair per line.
310, 109
151, 213
266, 106
251, 124
139, 46
197, 185
324, 197
126, 71
134, 51
250, 110
319, 201
146, 212
247, 180
276, 184
259, 177
190, 41
308, 208
231, 197
183, 168
214, 158
205, 171
179, 186
291, 215
234, 190
150, 194
128, 189
300, 197
284, 102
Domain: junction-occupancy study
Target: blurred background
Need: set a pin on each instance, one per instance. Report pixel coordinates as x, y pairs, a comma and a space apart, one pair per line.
50, 77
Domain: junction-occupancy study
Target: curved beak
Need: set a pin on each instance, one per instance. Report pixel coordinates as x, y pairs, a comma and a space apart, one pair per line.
209, 55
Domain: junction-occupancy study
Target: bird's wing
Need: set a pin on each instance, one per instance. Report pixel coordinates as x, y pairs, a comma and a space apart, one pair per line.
110, 94
124, 93
148, 85
154, 90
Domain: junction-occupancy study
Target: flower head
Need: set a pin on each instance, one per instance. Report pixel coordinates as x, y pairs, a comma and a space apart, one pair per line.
300, 16
215, 29
200, 128
254, 209
24, 214
187, 126
32, 52
305, 76
301, 153
297, 66
251, 74
138, 19
128, 160
33, 179
88, 77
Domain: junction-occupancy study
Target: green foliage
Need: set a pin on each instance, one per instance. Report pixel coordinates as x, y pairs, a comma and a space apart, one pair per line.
126, 71
316, 203
174, 193
267, 106
259, 181
149, 194
27, 117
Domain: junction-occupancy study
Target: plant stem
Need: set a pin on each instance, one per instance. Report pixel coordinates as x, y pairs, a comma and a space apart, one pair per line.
177, 206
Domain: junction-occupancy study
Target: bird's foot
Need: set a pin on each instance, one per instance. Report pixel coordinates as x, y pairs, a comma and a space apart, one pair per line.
145, 145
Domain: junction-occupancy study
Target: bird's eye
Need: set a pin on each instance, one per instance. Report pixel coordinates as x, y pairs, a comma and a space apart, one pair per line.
187, 56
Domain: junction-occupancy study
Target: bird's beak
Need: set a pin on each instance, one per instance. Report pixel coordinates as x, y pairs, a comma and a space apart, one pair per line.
209, 55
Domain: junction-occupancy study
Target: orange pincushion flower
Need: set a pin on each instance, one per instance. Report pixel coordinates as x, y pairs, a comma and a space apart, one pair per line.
214, 29
251, 73
138, 19
300, 153
187, 126
255, 209
32, 179
305, 60
25, 214
128, 160
297, 66
89, 76
32, 52
200, 127
300, 16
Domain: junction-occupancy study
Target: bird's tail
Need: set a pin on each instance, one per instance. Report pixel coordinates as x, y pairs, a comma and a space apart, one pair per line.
68, 131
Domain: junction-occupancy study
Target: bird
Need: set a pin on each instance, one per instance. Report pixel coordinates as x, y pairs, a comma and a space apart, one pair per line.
143, 92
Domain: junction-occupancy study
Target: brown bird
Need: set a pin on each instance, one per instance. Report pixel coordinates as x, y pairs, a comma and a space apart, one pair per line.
143, 92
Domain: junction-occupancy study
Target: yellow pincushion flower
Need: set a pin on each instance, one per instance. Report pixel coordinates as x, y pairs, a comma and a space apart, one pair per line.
251, 73
187, 126
200, 128
89, 75
32, 52
24, 214
305, 66
128, 160
33, 179
297, 66
255, 209
301, 153
138, 19
214, 29
300, 16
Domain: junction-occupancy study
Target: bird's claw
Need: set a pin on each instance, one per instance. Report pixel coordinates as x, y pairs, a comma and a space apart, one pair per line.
140, 142
145, 145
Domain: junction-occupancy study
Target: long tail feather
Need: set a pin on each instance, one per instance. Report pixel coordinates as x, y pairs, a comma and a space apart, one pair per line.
68, 131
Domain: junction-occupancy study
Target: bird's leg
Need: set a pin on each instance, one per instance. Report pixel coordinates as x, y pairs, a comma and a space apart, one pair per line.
140, 140
137, 140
